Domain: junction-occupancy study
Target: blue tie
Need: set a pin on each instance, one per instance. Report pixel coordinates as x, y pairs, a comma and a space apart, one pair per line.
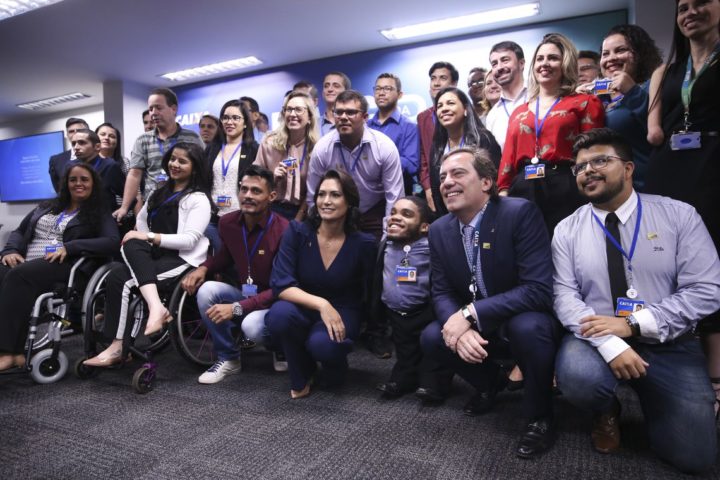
468, 243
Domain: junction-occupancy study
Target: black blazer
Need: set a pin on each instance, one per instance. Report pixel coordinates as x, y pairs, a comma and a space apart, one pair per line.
79, 238
247, 157
56, 167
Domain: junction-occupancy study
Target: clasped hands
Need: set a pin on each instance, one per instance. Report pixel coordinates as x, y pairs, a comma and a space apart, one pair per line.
464, 340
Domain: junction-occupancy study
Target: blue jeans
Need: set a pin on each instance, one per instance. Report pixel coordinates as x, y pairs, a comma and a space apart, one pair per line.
223, 338
213, 235
676, 396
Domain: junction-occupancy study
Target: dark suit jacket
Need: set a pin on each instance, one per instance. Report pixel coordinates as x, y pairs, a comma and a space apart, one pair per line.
516, 264
56, 167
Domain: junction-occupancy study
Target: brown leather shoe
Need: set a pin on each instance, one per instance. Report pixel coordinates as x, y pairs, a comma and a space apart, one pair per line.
606, 432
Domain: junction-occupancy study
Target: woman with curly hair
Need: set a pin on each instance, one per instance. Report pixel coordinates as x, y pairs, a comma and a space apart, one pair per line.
42, 250
320, 276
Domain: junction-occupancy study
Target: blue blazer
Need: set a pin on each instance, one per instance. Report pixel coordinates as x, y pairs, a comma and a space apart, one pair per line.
56, 167
516, 264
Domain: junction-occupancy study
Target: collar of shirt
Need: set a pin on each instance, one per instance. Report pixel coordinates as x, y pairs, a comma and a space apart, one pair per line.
262, 224
623, 212
366, 138
522, 94
325, 121
394, 116
154, 133
473, 222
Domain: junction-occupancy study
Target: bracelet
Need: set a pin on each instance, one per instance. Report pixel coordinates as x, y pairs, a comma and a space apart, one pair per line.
633, 324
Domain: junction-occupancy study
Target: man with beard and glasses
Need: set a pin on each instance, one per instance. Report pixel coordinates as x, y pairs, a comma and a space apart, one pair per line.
250, 239
401, 293
633, 275
507, 61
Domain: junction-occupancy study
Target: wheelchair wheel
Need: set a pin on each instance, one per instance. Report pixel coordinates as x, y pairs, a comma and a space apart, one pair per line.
190, 337
83, 372
46, 368
156, 342
143, 379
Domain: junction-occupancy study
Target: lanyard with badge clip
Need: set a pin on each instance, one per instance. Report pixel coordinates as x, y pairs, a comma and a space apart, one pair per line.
154, 212
447, 145
225, 200
685, 139
162, 177
357, 158
631, 292
473, 287
292, 164
249, 289
55, 231
404, 273
535, 170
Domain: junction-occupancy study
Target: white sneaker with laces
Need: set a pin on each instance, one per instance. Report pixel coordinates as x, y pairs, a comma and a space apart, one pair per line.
220, 370
279, 362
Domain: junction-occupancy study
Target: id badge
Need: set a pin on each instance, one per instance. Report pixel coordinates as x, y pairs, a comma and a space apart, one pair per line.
223, 201
291, 164
533, 172
249, 290
161, 178
685, 141
52, 248
405, 274
628, 306
602, 87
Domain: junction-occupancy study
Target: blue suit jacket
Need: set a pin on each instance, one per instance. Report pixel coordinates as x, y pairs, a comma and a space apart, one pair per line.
516, 264
56, 167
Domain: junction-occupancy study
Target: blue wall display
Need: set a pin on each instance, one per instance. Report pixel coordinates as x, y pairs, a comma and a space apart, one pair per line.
24, 166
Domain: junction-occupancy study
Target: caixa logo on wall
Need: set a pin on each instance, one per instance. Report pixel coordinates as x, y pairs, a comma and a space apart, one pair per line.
189, 120
409, 105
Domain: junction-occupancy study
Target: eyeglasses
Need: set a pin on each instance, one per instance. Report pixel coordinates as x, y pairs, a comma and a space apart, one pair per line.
384, 88
234, 118
349, 112
597, 163
476, 83
295, 110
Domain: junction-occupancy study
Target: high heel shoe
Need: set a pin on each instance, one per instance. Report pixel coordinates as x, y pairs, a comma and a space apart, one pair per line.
298, 394
105, 359
153, 328
10, 361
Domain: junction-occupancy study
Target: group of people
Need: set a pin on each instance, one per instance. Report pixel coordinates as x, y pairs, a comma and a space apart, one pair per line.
575, 233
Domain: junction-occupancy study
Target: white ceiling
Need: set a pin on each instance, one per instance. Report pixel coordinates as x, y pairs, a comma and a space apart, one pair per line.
76, 45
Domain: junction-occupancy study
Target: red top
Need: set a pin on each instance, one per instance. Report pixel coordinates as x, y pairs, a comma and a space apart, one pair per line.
426, 127
572, 115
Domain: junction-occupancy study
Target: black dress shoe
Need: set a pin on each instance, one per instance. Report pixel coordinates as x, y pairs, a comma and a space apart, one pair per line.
429, 395
392, 390
538, 437
480, 403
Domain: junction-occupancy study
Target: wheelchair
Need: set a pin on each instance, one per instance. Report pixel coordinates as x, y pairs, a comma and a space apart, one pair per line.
49, 323
134, 343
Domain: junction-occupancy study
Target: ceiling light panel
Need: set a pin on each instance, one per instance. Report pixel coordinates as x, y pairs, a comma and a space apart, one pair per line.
51, 102
11, 8
212, 69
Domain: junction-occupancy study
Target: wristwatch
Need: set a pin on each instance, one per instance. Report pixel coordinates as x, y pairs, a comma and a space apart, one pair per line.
633, 324
150, 237
467, 314
237, 310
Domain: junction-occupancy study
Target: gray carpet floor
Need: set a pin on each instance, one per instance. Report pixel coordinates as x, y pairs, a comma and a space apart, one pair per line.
248, 427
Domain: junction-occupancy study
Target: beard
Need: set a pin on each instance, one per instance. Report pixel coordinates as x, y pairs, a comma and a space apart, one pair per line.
605, 195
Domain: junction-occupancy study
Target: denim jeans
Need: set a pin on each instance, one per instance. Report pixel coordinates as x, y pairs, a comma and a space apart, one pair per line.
676, 396
223, 338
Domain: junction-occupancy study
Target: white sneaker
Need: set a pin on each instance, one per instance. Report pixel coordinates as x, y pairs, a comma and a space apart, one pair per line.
279, 362
219, 371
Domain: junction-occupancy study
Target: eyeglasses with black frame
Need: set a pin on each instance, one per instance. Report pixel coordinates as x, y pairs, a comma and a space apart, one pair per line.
349, 112
234, 118
295, 110
383, 88
597, 163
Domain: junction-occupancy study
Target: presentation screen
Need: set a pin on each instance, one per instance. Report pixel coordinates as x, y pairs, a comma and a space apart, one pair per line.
24, 166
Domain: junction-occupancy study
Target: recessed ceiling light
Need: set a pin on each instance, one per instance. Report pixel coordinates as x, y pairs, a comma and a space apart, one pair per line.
212, 69
11, 8
51, 102
466, 21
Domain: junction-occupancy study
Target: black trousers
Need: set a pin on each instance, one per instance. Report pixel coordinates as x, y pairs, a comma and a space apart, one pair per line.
143, 265
533, 339
19, 288
412, 369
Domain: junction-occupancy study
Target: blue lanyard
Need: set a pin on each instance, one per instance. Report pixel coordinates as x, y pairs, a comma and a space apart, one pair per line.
251, 253
476, 243
616, 242
61, 217
226, 167
688, 84
154, 213
502, 100
539, 127
357, 158
302, 159
462, 144
162, 148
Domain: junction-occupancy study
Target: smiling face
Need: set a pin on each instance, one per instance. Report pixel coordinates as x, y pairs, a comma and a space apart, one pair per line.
492, 89
617, 56
108, 139
332, 86
462, 189
698, 18
450, 110
548, 65
80, 184
506, 67
254, 195
296, 114
404, 223
330, 201
180, 166
603, 185
233, 123
476, 86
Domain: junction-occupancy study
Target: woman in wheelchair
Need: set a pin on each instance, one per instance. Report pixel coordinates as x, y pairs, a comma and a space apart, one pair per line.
169, 238
41, 252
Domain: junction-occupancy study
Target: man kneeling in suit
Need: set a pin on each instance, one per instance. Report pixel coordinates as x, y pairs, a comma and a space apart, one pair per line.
492, 286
